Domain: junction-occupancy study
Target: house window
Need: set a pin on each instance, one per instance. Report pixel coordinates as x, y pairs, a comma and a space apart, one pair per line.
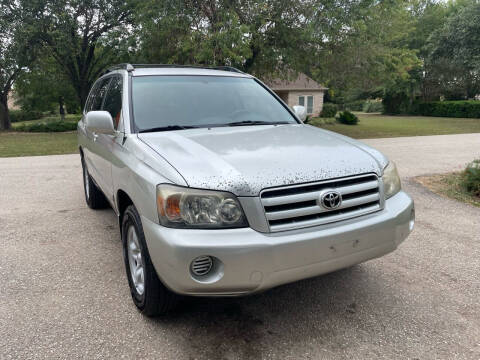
301, 101
309, 104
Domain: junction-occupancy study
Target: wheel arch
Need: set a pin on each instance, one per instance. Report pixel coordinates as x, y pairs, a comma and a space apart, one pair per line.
123, 201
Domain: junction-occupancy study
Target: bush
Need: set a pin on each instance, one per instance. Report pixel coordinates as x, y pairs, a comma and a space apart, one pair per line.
457, 109
347, 118
372, 106
51, 126
355, 105
470, 180
21, 115
329, 110
396, 103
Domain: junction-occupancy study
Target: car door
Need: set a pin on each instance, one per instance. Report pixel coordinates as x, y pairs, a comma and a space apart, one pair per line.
95, 151
106, 143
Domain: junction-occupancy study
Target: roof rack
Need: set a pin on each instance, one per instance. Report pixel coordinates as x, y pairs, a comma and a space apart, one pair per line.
124, 66
131, 67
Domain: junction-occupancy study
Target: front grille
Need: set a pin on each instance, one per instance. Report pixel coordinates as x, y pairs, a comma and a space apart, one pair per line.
300, 206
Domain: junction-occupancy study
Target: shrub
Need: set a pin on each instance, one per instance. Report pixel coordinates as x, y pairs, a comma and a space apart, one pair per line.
396, 103
21, 115
372, 106
470, 180
347, 118
51, 126
355, 105
329, 110
458, 109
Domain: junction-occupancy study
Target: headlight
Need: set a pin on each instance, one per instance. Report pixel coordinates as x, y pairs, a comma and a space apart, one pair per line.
183, 207
391, 180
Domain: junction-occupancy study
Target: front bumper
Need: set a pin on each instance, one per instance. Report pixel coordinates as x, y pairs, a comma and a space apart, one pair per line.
250, 261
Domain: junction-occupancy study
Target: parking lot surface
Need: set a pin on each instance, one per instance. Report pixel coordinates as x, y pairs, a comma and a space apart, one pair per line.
64, 292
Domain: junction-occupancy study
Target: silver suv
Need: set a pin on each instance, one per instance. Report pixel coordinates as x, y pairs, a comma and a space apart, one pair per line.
221, 190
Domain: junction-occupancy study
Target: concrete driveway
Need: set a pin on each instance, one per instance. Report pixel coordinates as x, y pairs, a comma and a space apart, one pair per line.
64, 293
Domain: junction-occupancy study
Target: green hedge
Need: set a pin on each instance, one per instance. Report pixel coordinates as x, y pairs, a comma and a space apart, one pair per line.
51, 126
329, 110
21, 115
458, 109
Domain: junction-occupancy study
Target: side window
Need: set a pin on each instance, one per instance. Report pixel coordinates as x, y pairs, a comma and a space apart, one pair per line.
88, 104
98, 94
113, 100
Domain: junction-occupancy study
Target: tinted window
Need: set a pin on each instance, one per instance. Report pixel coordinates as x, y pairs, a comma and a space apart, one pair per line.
202, 100
113, 100
88, 105
99, 94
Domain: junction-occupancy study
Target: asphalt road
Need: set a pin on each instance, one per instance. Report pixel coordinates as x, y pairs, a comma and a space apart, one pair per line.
64, 293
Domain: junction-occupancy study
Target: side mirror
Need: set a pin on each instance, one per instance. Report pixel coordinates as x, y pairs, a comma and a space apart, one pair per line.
300, 111
99, 122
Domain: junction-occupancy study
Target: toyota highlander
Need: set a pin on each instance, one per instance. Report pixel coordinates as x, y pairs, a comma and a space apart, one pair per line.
222, 190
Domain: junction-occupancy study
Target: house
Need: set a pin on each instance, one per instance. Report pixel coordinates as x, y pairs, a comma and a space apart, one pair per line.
302, 91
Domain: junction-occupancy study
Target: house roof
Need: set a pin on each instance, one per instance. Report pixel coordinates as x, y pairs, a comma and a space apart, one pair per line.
302, 82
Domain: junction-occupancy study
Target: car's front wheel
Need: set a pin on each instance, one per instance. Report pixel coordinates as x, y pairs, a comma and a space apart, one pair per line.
148, 293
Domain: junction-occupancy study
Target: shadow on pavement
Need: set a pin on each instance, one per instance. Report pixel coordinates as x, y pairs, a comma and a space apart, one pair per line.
291, 315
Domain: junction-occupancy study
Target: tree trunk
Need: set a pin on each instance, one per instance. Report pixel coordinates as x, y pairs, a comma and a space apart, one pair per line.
4, 117
82, 94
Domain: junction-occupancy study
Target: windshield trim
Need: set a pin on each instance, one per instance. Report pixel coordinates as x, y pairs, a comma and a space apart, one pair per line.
134, 129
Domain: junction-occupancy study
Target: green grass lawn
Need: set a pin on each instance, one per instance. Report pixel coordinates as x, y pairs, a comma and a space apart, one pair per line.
379, 126
370, 126
29, 144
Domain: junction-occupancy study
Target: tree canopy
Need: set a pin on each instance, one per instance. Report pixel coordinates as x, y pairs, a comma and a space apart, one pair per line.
455, 54
402, 50
18, 48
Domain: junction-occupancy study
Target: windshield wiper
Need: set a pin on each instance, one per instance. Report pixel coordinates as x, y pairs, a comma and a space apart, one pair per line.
167, 128
252, 122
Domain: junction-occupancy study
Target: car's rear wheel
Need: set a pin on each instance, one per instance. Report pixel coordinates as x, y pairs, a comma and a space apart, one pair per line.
93, 195
148, 293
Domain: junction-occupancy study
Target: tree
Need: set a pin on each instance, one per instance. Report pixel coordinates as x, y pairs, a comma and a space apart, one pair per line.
454, 54
42, 86
83, 37
362, 47
17, 49
261, 37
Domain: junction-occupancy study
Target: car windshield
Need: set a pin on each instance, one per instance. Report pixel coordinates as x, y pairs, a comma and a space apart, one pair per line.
178, 102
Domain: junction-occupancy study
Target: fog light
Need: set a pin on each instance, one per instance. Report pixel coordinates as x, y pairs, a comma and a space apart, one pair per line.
201, 265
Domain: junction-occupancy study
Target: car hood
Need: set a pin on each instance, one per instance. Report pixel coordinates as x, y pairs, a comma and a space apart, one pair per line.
245, 160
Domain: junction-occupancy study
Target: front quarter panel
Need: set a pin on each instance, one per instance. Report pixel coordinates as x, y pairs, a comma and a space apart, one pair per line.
138, 171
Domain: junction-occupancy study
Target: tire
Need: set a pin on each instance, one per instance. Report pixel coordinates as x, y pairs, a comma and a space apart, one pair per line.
93, 195
150, 296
